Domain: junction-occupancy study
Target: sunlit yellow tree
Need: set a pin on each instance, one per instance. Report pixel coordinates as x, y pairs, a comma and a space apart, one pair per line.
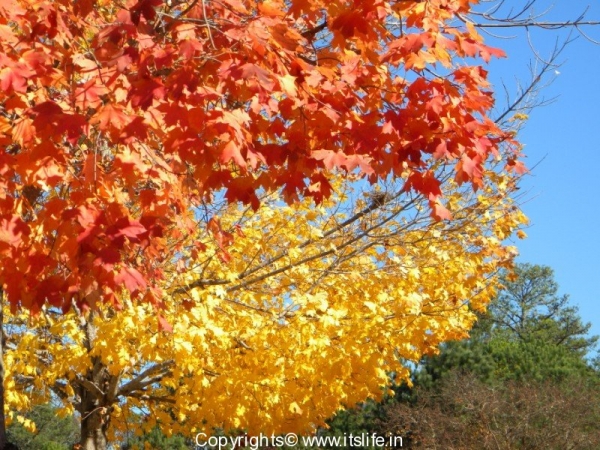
307, 309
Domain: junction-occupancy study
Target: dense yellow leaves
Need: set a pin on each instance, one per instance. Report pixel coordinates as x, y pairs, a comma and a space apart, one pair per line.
313, 310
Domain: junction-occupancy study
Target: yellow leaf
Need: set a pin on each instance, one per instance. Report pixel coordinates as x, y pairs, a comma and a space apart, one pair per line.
295, 409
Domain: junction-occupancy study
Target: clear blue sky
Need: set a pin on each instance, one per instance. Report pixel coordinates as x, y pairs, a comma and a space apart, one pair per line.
563, 191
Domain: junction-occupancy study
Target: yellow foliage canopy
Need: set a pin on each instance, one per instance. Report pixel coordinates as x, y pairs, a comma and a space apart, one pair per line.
306, 310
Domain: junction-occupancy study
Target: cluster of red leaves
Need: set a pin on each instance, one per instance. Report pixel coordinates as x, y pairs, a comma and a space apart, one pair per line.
116, 119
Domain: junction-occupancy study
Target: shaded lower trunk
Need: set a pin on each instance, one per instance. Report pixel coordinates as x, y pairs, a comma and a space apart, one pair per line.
94, 406
3, 440
93, 428
94, 409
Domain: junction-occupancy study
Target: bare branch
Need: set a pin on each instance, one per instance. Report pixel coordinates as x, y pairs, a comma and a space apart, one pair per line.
152, 398
92, 388
149, 376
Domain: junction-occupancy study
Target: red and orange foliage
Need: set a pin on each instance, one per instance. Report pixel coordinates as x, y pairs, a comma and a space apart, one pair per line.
118, 119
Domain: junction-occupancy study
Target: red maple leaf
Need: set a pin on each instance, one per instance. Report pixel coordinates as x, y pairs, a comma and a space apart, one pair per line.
424, 183
439, 211
111, 116
163, 324
144, 8
242, 189
14, 76
143, 91
350, 22
125, 228
90, 94
131, 279
12, 230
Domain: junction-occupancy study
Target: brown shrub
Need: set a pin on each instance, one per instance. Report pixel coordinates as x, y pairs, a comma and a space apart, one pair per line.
465, 413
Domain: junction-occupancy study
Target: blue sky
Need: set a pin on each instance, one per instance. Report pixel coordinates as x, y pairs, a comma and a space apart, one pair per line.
562, 191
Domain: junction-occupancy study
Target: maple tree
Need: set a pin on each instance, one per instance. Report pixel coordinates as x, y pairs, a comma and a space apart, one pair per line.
121, 124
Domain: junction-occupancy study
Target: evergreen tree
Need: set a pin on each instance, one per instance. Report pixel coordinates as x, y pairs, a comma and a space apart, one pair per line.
530, 309
528, 333
52, 432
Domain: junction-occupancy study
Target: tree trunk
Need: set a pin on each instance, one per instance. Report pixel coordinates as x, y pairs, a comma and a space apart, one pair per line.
3, 440
94, 409
93, 426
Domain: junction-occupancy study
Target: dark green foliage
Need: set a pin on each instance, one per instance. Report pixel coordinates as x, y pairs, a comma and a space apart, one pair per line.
471, 356
535, 360
157, 441
53, 433
498, 358
528, 333
359, 420
529, 309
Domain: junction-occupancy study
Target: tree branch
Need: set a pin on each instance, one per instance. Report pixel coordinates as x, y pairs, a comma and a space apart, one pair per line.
94, 390
147, 377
